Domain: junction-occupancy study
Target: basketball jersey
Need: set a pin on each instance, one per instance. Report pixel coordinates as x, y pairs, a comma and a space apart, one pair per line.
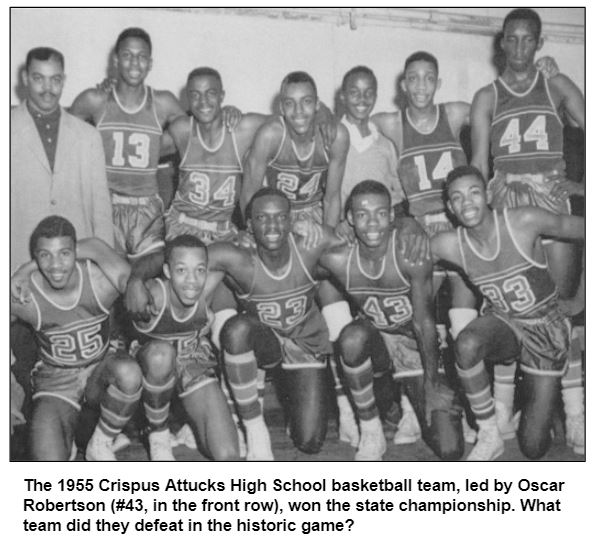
132, 141
301, 179
526, 131
382, 298
285, 303
183, 334
71, 336
209, 178
425, 162
512, 283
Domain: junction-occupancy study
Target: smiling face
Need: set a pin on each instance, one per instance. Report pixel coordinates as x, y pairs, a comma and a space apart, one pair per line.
56, 259
371, 216
359, 96
133, 61
420, 83
468, 200
270, 222
205, 97
44, 81
298, 106
520, 44
186, 271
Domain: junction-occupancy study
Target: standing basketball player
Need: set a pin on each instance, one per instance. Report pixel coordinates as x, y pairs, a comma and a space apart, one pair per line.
501, 253
131, 118
518, 117
69, 312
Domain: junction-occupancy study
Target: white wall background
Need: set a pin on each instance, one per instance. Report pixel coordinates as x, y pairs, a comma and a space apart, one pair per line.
254, 53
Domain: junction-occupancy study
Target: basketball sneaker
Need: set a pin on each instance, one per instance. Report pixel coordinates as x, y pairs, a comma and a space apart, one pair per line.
259, 447
574, 433
99, 447
372, 445
409, 430
489, 444
348, 431
160, 446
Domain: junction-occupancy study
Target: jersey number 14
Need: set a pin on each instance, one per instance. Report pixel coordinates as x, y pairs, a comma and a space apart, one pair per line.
442, 169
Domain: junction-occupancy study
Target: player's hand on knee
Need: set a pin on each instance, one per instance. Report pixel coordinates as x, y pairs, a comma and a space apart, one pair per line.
231, 116
562, 187
547, 66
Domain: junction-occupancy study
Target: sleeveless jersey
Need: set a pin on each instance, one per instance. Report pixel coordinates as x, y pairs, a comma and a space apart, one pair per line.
74, 336
183, 334
132, 141
526, 131
301, 179
286, 303
425, 162
513, 284
209, 178
383, 298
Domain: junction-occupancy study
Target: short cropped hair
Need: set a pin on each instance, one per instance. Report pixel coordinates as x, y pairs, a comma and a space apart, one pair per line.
365, 187
183, 240
264, 192
525, 14
297, 77
205, 72
359, 69
460, 172
50, 227
44, 53
133, 32
421, 56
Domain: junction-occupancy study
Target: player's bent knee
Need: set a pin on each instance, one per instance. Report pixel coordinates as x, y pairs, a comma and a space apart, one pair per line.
469, 349
534, 444
127, 375
310, 446
158, 361
235, 335
352, 342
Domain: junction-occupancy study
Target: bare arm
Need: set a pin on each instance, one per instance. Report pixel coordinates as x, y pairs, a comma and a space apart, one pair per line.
246, 130
458, 113
113, 266
96, 179
137, 299
421, 289
168, 110
481, 114
89, 105
263, 149
390, 125
444, 248
536, 221
569, 98
338, 155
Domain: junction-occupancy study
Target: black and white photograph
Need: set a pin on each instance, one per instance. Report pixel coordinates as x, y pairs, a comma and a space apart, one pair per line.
297, 234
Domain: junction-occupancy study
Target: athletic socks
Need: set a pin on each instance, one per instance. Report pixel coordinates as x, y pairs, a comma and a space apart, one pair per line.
360, 381
116, 410
157, 399
242, 374
475, 382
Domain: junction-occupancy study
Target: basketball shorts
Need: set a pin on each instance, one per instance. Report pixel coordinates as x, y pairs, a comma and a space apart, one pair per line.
523, 190
138, 224
405, 356
66, 383
296, 357
178, 223
544, 342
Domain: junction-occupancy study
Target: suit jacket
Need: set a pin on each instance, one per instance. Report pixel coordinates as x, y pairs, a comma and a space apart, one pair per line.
76, 189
